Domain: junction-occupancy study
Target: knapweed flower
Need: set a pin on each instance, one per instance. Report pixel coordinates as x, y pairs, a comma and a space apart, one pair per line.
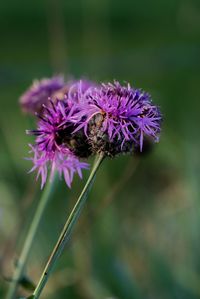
37, 95
116, 118
52, 144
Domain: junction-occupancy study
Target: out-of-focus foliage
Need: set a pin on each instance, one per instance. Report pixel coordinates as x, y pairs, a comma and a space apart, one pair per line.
139, 234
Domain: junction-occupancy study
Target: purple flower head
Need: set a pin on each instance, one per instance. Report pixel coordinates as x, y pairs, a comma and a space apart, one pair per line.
37, 95
118, 116
53, 135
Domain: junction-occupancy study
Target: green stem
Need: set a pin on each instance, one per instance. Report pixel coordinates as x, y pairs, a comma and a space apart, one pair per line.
21, 263
66, 232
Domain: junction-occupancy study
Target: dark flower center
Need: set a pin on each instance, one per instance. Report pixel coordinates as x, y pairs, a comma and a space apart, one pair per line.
76, 142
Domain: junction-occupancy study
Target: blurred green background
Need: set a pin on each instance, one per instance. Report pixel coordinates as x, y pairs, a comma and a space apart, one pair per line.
139, 234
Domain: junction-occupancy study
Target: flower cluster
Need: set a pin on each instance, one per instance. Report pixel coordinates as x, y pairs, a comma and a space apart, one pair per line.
83, 118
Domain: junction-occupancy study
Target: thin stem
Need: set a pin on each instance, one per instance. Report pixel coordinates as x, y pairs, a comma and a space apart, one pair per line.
21, 263
66, 232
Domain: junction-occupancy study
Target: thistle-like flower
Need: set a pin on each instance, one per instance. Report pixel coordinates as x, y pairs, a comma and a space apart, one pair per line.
37, 94
116, 118
52, 146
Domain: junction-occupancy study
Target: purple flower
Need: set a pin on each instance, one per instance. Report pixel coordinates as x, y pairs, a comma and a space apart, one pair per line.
37, 95
51, 145
118, 115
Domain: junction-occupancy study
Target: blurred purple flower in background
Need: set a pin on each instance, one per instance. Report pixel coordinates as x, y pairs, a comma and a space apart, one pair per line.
56, 88
37, 94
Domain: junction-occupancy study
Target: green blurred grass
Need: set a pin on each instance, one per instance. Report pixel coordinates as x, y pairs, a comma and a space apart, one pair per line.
139, 240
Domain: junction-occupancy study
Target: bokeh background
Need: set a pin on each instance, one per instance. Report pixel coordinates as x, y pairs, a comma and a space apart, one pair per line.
139, 234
